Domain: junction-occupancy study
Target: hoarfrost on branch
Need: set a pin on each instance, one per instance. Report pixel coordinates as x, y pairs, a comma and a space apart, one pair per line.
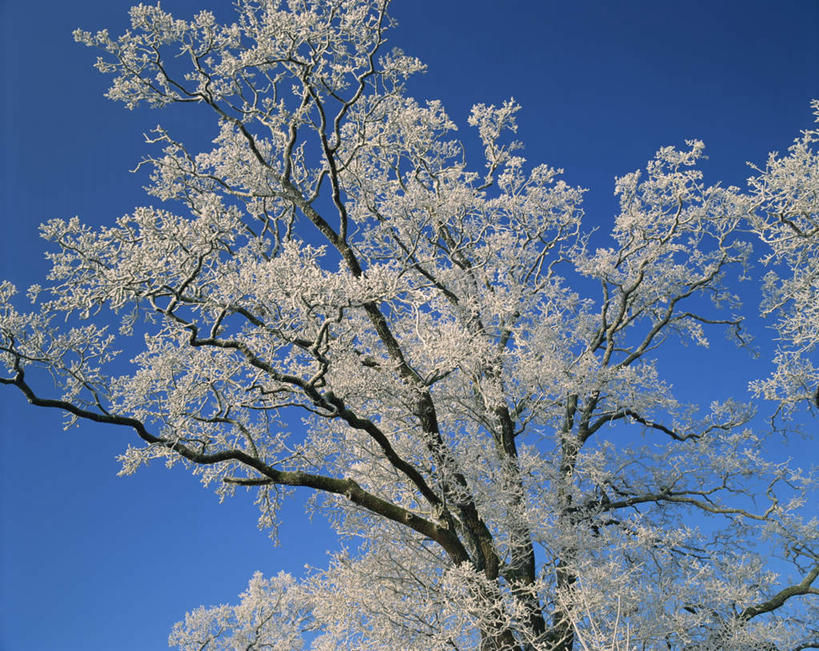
344, 303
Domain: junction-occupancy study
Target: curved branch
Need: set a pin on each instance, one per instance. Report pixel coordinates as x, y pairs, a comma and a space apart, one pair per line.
804, 587
444, 536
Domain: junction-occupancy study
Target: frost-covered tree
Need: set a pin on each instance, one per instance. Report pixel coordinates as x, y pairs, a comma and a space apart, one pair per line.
343, 303
788, 221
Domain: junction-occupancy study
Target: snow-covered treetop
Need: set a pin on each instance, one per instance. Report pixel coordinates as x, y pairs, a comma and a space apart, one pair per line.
332, 296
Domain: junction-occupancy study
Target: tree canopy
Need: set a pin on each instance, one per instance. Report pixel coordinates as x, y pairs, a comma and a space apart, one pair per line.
336, 297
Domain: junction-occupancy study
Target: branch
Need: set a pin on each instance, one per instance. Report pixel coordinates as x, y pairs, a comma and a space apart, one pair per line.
630, 413
327, 401
804, 587
346, 487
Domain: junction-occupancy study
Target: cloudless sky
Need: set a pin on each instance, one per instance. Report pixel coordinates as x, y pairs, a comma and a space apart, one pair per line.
90, 561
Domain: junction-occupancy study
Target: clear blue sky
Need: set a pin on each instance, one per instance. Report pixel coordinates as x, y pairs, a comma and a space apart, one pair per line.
89, 561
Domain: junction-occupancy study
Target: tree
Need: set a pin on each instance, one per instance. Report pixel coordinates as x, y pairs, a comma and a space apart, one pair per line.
467, 367
788, 222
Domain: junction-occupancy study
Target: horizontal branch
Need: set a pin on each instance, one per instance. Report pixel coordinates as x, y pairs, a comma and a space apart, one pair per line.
630, 413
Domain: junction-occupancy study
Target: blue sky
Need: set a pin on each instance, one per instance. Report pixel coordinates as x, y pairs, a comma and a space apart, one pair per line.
90, 561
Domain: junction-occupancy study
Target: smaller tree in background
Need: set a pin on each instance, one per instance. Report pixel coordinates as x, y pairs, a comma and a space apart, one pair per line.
346, 305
